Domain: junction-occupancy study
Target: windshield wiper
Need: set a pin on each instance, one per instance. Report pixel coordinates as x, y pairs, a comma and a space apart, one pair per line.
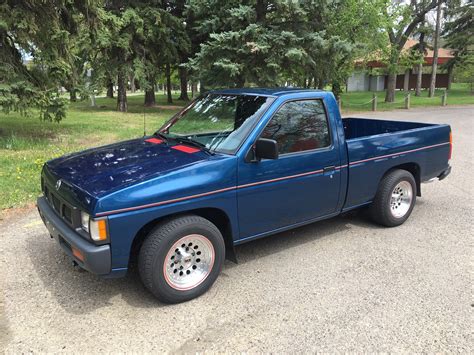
162, 136
195, 143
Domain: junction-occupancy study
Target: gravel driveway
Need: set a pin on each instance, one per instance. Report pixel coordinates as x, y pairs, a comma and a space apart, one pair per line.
334, 286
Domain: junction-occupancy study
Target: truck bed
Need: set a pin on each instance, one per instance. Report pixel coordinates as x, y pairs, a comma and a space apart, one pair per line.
362, 127
376, 146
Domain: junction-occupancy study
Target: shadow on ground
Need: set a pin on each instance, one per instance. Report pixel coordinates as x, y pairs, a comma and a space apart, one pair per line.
80, 292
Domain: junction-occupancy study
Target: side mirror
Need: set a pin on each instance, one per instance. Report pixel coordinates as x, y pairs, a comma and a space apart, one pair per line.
266, 149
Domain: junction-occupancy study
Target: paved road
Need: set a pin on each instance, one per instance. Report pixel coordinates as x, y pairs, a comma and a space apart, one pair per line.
339, 285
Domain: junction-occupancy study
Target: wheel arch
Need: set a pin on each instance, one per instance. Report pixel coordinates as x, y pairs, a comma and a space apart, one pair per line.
215, 215
412, 168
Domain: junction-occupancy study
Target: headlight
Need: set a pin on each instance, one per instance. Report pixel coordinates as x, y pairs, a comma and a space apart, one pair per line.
85, 221
98, 229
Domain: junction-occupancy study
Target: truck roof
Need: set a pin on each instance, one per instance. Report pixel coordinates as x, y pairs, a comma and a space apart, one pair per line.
263, 91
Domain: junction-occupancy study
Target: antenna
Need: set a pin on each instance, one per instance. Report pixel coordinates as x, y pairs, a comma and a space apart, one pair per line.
144, 109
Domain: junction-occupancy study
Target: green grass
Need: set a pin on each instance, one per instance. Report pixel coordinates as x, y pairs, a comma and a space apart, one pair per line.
359, 100
26, 143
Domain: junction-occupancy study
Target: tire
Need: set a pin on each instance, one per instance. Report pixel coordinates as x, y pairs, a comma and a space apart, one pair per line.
181, 258
401, 185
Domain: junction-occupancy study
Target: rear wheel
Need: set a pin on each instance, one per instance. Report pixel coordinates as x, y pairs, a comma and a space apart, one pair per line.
181, 258
395, 198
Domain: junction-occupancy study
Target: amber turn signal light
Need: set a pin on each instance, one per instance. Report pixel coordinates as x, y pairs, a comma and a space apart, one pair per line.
450, 145
77, 253
98, 229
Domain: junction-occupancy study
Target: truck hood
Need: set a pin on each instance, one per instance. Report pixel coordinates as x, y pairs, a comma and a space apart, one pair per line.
100, 171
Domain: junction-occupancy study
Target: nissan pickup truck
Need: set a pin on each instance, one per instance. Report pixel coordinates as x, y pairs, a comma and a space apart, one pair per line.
233, 166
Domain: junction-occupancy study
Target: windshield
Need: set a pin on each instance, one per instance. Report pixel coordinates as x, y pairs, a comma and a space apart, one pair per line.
217, 121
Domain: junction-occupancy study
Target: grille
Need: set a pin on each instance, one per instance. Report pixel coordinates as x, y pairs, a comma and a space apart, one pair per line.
46, 192
56, 203
68, 213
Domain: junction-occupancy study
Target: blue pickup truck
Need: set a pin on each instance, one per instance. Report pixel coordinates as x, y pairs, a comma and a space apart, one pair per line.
233, 166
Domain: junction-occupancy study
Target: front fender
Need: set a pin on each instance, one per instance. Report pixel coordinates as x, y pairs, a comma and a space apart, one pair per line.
124, 227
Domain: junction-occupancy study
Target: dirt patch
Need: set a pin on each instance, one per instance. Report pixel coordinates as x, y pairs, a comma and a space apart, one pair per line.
168, 107
5, 334
36, 135
95, 141
10, 215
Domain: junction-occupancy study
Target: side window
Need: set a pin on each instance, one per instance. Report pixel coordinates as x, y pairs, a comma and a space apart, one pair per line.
298, 126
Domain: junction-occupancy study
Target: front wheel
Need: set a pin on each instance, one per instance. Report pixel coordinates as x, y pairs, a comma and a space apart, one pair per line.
395, 198
181, 258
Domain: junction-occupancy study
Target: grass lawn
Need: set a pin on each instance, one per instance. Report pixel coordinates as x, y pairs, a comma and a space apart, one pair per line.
359, 100
26, 142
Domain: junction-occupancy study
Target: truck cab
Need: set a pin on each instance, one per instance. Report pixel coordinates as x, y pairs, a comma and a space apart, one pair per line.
232, 166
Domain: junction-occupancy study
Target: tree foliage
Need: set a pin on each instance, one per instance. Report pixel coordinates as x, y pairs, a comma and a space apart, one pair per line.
140, 37
459, 36
44, 31
218, 43
270, 43
402, 19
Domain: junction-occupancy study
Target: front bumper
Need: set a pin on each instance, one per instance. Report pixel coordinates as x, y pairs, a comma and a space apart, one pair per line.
97, 258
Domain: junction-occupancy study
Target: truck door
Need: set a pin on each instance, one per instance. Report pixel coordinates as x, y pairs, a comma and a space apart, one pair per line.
303, 183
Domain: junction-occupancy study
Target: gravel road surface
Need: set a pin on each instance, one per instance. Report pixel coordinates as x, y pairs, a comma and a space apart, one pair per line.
334, 286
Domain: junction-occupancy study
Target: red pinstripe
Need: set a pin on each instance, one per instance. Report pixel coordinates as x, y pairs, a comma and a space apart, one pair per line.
164, 202
394, 154
281, 178
314, 172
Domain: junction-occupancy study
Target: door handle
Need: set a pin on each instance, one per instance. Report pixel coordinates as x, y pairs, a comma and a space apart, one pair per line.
329, 169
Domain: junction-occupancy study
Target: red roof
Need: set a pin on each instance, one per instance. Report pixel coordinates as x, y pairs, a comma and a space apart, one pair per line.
444, 54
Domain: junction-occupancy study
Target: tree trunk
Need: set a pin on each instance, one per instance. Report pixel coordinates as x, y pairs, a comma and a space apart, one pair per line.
435, 52
110, 89
419, 75
391, 85
261, 11
183, 78
194, 89
150, 99
168, 83
240, 81
132, 83
122, 91
450, 76
72, 95
406, 81
336, 89
392, 72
